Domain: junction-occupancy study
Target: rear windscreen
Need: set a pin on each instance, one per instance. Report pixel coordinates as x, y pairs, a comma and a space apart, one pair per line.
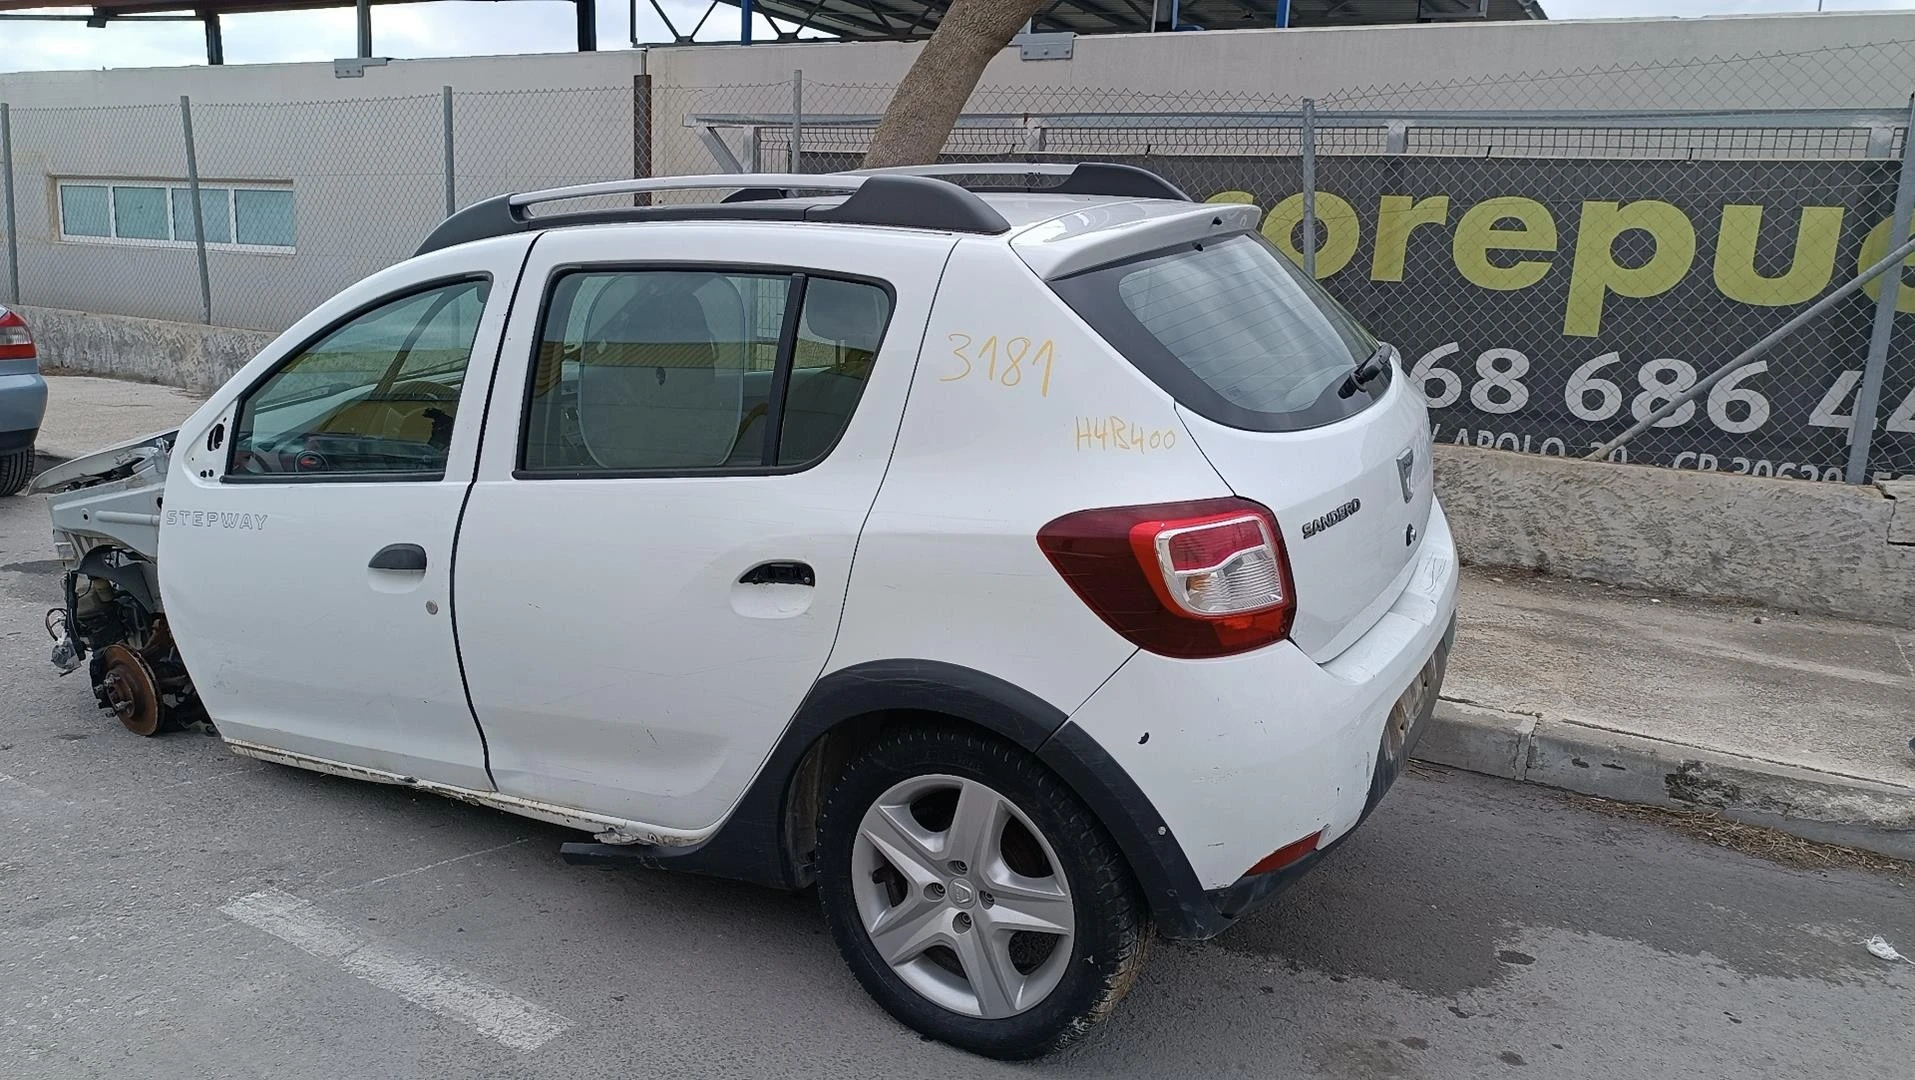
1232, 330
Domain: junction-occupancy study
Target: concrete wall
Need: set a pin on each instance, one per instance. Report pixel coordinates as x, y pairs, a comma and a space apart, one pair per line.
187, 355
253, 83
365, 158
1327, 63
1855, 60
1793, 544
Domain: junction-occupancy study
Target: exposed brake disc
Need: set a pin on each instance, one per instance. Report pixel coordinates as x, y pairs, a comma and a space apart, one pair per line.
128, 687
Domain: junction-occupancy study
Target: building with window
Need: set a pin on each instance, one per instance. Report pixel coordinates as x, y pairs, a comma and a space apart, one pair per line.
234, 216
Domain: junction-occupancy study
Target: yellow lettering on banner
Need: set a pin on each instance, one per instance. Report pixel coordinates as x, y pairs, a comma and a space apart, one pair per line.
1809, 271
1481, 231
1233, 198
1596, 273
1874, 250
1337, 217
1397, 216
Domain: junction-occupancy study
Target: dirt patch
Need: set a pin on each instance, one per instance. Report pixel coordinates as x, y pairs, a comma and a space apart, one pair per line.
1711, 827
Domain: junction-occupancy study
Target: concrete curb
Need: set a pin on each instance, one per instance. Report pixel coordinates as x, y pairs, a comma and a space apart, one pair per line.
1579, 756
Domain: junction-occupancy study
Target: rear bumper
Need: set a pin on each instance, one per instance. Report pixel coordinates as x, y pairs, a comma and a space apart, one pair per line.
1235, 758
1251, 890
23, 403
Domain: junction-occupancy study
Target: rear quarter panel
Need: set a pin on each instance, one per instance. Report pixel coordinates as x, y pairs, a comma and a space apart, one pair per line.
1017, 414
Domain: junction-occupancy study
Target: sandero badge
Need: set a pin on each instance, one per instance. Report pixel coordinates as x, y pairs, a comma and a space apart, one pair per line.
1313, 527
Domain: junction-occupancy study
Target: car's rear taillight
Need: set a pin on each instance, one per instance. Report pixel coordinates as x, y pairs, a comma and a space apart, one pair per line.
1188, 579
16, 341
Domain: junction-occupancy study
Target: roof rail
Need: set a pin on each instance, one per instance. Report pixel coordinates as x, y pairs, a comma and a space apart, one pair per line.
795, 181
914, 197
915, 202
1080, 178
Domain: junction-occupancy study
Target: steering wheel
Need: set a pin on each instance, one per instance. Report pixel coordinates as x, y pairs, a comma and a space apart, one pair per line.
416, 389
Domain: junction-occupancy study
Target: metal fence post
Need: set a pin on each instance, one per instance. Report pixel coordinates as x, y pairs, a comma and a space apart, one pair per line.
1868, 399
1309, 136
6, 181
445, 102
797, 120
642, 130
199, 222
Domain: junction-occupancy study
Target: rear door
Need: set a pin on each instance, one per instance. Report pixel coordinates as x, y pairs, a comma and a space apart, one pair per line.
690, 426
1260, 361
305, 545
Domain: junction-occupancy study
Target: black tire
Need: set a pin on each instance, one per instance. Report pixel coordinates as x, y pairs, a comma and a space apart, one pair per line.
1112, 921
16, 468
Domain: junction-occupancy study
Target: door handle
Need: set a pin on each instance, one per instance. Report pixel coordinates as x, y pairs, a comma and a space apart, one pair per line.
409, 557
779, 573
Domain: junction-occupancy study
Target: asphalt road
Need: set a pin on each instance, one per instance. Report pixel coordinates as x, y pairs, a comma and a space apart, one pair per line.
169, 910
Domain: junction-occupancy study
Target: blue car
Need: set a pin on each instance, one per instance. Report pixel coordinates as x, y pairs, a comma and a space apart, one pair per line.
23, 401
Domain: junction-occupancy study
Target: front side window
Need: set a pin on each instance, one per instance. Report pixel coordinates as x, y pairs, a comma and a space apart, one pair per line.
375, 397
684, 371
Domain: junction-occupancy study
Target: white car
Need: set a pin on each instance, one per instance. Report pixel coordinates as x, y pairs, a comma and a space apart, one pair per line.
1026, 569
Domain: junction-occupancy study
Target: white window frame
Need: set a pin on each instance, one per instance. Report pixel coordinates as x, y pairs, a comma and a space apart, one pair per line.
169, 186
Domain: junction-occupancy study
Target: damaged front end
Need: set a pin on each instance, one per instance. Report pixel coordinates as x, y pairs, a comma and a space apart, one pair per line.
106, 530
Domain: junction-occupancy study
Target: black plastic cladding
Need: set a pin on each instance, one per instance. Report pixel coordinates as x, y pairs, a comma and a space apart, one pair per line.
900, 199
752, 846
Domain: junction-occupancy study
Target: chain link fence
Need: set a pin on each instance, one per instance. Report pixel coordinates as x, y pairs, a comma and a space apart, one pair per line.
1557, 255
65, 267
1553, 273
298, 200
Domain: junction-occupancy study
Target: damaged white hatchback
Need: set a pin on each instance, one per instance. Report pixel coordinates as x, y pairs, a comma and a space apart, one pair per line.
1034, 568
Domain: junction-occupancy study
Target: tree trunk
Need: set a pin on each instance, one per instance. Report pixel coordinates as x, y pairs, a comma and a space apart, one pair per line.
932, 95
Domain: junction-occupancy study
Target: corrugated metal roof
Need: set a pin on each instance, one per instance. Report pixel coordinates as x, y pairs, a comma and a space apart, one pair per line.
917, 18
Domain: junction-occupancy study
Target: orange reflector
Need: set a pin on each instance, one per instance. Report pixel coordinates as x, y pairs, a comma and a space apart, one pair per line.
1286, 855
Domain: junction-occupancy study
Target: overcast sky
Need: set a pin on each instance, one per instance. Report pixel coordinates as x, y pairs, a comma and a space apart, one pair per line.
457, 29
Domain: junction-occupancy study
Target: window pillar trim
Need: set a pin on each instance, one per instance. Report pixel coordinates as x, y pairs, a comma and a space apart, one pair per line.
781, 370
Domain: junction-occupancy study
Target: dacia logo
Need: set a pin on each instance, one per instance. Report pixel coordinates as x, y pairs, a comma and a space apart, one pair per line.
1311, 528
214, 519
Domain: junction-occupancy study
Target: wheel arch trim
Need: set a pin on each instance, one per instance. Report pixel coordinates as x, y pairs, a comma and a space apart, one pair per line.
756, 842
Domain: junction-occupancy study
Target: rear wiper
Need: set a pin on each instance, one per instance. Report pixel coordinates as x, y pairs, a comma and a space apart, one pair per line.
1367, 370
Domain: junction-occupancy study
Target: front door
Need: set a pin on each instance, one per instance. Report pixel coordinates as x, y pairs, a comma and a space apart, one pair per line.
677, 464
306, 538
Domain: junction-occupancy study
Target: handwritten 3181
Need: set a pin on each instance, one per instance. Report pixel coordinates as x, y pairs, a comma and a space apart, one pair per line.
1003, 362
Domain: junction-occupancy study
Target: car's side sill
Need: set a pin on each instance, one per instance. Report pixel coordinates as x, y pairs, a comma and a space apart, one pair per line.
607, 830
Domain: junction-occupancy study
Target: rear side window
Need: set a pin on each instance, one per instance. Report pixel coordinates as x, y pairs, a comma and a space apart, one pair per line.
697, 371
1233, 331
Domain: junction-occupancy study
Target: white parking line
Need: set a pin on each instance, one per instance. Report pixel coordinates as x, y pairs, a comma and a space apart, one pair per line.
435, 987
